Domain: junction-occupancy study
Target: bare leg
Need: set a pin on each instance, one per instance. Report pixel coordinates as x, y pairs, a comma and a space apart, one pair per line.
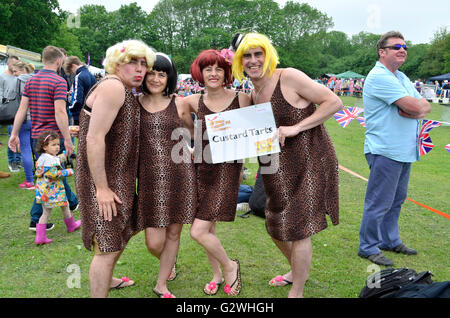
168, 255
286, 249
155, 239
100, 273
301, 262
201, 233
215, 265
66, 212
46, 212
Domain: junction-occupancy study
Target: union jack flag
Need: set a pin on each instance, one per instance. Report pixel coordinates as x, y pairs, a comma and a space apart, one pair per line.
344, 117
447, 147
427, 125
425, 144
361, 121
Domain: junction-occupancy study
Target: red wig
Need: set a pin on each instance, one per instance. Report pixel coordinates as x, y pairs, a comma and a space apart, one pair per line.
206, 58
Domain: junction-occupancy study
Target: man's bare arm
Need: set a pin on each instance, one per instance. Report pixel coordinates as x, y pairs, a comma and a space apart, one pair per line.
328, 103
412, 107
109, 98
21, 114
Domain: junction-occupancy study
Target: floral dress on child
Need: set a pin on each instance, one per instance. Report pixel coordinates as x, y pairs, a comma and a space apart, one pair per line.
49, 189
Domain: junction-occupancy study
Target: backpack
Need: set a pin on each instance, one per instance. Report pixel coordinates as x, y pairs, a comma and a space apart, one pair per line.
435, 290
387, 282
257, 201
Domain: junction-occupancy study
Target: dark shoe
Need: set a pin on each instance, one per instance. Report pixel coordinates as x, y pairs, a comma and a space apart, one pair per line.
378, 259
401, 248
32, 227
74, 208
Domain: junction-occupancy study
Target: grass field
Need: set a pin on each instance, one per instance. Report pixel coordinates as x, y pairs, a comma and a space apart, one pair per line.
337, 272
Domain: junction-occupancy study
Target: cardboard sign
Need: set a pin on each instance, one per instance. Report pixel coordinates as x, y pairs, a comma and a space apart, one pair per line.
242, 133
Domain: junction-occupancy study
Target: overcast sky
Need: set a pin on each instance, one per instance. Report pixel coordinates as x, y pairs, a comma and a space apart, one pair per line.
417, 20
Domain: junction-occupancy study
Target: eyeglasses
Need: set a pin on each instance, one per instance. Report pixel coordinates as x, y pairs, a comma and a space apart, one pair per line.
396, 47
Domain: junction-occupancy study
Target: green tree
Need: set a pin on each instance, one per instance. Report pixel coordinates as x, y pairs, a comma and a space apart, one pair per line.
189, 26
336, 43
95, 34
129, 22
29, 24
67, 40
437, 59
416, 56
299, 20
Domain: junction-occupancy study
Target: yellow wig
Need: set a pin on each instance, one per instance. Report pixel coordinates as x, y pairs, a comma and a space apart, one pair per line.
251, 41
123, 52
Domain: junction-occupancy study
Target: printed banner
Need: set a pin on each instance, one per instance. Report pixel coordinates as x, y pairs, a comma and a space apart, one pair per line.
242, 133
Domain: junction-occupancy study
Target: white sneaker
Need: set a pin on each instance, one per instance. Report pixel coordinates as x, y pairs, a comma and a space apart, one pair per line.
13, 167
243, 207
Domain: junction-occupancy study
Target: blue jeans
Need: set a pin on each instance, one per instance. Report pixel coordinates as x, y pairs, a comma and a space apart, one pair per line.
25, 149
13, 156
36, 209
386, 191
244, 193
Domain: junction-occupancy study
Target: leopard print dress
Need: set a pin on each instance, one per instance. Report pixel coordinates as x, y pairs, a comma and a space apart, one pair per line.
121, 166
305, 186
167, 185
218, 184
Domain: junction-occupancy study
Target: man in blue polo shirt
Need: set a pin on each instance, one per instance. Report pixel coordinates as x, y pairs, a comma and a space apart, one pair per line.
392, 109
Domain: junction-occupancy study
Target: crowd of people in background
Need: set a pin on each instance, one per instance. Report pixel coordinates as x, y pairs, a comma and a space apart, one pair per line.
343, 86
78, 81
340, 86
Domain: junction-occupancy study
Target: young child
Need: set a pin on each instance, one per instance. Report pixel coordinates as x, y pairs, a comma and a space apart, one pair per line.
49, 189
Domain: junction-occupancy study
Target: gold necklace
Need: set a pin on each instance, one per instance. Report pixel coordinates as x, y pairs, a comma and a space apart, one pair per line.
259, 91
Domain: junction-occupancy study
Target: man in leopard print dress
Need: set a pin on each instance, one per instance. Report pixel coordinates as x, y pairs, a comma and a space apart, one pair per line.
304, 186
107, 162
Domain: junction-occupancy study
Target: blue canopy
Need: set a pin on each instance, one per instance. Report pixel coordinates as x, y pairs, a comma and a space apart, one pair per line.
440, 77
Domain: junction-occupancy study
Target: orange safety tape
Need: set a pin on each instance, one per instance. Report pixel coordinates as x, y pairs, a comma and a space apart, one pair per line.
445, 215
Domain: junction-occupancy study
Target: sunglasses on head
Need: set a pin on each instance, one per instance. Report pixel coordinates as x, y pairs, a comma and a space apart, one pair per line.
396, 47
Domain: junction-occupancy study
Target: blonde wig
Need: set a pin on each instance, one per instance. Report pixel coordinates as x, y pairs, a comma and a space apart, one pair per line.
251, 41
124, 52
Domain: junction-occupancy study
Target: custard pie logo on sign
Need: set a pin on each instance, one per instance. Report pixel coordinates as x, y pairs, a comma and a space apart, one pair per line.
218, 124
265, 146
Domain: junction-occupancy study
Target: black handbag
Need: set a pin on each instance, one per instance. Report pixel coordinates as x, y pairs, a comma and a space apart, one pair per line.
9, 107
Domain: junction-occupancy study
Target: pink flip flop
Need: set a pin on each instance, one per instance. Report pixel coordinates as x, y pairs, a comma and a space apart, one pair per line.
279, 281
126, 282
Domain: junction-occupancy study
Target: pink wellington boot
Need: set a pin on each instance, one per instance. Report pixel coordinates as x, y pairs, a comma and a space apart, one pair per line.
41, 235
72, 225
